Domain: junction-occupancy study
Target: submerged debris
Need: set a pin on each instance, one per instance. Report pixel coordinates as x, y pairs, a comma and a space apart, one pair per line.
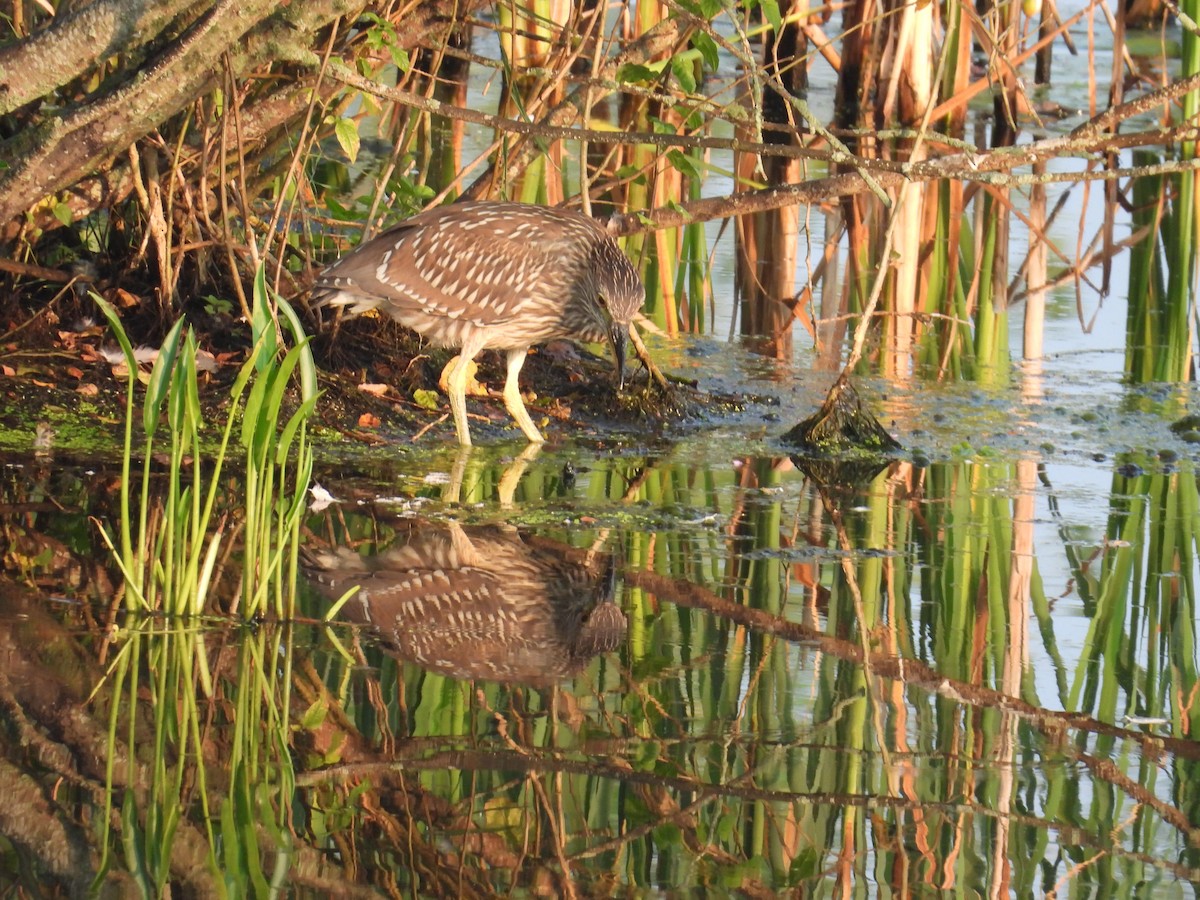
843, 442
1187, 428
841, 425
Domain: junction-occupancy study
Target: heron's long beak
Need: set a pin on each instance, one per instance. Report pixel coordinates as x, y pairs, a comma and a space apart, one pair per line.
619, 334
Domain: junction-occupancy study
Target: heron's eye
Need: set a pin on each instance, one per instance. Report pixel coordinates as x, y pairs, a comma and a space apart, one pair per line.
602, 300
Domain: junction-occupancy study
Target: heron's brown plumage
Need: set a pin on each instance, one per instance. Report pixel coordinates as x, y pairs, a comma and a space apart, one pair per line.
492, 275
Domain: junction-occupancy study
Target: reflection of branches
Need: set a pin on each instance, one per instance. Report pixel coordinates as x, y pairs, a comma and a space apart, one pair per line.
542, 762
683, 817
911, 672
555, 821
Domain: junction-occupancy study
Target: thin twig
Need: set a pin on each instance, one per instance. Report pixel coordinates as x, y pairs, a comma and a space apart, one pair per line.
644, 357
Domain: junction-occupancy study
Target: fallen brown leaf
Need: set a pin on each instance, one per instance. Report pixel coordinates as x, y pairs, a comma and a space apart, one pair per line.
124, 299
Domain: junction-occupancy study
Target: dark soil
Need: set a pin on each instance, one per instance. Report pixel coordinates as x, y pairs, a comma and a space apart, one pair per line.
380, 385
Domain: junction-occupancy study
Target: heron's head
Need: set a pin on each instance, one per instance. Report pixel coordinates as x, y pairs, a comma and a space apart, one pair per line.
619, 297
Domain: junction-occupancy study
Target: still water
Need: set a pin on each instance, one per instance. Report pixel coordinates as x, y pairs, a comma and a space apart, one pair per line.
636, 664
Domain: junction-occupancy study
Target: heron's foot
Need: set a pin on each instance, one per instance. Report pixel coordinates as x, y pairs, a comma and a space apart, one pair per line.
516, 408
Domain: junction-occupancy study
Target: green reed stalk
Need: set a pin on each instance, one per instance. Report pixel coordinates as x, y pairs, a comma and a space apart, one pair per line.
995, 485
1161, 650
275, 501
1144, 328
641, 248
1043, 613
939, 296
1181, 240
134, 555
534, 187
960, 358
125, 658
169, 565
694, 273
1177, 620
991, 323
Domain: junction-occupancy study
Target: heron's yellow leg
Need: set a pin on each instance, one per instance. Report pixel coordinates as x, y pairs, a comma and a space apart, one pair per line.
512, 397
456, 375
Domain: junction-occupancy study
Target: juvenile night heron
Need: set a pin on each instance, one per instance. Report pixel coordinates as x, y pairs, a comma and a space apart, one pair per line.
493, 275
480, 602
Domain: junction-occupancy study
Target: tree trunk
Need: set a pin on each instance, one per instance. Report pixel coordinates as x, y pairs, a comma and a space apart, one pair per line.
82, 138
75, 44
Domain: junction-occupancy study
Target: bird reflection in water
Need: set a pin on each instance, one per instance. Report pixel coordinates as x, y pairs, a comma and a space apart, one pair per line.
478, 603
